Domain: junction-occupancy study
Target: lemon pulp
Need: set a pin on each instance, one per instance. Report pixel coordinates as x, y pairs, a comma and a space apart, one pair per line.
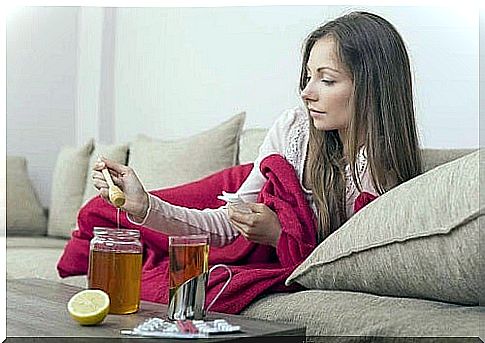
89, 307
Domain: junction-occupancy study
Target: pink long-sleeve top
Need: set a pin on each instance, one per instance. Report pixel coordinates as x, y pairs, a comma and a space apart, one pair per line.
288, 137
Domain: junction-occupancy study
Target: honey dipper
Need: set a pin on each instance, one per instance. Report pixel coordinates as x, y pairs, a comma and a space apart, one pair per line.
116, 195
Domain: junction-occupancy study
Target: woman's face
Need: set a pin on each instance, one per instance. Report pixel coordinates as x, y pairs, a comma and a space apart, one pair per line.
329, 88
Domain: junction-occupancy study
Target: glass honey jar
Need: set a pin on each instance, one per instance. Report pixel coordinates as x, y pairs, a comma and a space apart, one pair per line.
115, 263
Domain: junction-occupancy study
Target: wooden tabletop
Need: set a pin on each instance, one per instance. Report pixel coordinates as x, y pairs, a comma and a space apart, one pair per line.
38, 307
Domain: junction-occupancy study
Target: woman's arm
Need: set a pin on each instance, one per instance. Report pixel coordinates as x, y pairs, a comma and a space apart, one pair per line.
170, 219
178, 220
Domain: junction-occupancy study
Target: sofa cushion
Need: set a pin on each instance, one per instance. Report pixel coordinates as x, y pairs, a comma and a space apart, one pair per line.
418, 240
349, 314
251, 140
114, 152
161, 164
25, 215
68, 182
29, 257
36, 242
36, 257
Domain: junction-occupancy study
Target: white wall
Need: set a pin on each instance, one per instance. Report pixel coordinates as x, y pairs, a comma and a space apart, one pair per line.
182, 70
482, 83
90, 43
171, 72
41, 79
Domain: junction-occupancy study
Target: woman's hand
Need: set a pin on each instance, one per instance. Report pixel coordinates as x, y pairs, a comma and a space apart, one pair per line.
262, 226
136, 198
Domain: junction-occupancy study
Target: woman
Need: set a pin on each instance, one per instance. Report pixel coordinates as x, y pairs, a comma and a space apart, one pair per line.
356, 133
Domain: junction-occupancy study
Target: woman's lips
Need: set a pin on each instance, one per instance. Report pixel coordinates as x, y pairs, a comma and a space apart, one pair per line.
316, 113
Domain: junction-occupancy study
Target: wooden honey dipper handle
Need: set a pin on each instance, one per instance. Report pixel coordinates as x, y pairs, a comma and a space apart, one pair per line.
116, 195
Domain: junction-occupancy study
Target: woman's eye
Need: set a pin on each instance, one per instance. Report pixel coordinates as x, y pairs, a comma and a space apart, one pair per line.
328, 82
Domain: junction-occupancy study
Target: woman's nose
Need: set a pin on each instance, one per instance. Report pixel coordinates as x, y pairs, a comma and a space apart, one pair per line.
308, 93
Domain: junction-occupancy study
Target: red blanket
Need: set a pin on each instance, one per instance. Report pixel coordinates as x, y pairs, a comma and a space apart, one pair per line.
257, 269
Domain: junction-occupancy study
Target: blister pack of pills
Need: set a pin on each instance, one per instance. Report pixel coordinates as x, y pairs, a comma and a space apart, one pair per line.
157, 327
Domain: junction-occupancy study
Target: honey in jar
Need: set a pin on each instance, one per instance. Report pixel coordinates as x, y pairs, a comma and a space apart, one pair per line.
115, 263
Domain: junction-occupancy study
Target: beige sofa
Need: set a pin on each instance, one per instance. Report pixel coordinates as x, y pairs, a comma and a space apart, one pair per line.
407, 265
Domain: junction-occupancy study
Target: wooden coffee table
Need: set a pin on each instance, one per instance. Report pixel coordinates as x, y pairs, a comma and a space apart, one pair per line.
38, 307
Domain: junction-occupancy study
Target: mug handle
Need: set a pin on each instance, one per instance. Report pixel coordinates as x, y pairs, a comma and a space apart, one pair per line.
223, 287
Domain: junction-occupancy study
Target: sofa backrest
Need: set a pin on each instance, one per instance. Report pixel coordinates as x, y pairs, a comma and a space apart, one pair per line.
435, 157
251, 139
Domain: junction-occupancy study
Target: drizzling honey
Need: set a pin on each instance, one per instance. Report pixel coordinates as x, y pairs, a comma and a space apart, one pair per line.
118, 210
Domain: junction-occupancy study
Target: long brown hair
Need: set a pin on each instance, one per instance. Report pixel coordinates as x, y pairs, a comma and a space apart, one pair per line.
382, 118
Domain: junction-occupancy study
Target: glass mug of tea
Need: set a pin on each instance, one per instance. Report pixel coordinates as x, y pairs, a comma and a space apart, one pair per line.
188, 276
115, 263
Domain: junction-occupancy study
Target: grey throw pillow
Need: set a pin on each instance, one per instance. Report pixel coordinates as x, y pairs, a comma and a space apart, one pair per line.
25, 215
68, 182
421, 239
161, 164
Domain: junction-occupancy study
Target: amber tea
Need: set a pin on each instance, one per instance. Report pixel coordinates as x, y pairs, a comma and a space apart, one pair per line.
186, 262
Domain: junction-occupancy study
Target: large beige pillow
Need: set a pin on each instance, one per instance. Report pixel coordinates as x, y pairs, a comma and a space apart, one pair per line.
251, 140
25, 215
68, 184
114, 152
161, 164
420, 239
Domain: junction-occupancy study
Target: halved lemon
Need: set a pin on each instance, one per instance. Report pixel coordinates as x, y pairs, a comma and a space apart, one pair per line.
89, 307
